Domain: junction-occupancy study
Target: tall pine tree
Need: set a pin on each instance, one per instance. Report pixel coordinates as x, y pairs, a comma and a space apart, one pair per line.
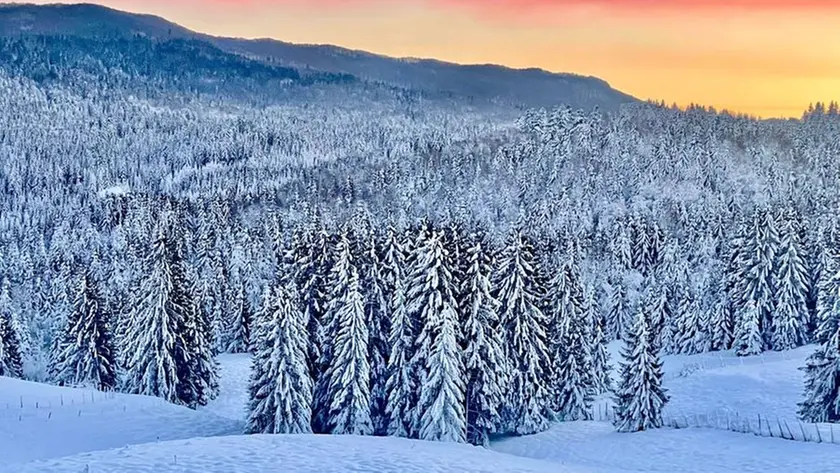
85, 355
348, 371
281, 386
640, 396
527, 408
485, 363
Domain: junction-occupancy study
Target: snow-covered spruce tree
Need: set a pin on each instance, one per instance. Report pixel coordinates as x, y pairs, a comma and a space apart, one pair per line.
439, 414
814, 244
822, 383
400, 385
619, 311
161, 350
828, 317
198, 334
378, 321
790, 318
622, 248
11, 364
527, 407
11, 361
85, 353
348, 371
573, 391
600, 366
569, 344
239, 329
485, 363
313, 269
722, 323
755, 274
748, 339
281, 388
640, 396
660, 316
687, 323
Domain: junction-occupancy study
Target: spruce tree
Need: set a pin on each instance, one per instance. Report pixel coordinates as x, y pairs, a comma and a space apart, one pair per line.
378, 320
601, 368
348, 372
527, 408
640, 396
314, 269
400, 385
822, 383
748, 339
85, 354
198, 336
281, 387
161, 346
722, 324
239, 329
439, 414
790, 319
660, 317
569, 344
486, 369
688, 325
11, 364
11, 361
619, 310
828, 318
756, 271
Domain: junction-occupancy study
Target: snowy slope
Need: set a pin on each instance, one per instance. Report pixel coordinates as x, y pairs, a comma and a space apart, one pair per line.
770, 386
109, 433
299, 454
599, 447
55, 421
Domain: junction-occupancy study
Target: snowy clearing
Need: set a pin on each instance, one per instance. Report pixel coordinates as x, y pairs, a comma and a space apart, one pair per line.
125, 433
599, 447
303, 454
56, 422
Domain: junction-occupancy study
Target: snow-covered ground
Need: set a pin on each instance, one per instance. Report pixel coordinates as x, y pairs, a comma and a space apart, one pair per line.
55, 422
234, 374
70, 430
312, 453
598, 447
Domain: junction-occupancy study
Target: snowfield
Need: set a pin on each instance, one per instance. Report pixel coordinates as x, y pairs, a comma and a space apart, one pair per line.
72, 430
312, 453
597, 446
56, 422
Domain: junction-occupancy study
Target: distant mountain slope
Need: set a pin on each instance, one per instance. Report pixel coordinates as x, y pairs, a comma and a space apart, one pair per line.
528, 87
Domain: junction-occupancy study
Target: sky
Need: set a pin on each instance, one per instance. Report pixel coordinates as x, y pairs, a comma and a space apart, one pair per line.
764, 57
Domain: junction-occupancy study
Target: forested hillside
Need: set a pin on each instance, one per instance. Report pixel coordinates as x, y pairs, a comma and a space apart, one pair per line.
398, 263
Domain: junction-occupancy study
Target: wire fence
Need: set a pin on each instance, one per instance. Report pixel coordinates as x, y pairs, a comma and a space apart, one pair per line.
713, 361
759, 425
70, 405
762, 426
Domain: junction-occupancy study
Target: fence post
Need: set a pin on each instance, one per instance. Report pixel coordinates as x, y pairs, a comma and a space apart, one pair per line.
789, 432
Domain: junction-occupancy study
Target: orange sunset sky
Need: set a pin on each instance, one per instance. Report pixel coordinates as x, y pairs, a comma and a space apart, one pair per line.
764, 57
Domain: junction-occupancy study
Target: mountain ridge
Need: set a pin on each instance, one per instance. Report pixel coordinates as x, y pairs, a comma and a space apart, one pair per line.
524, 87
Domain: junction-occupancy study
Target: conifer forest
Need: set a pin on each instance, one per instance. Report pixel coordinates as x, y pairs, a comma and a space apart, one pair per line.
398, 262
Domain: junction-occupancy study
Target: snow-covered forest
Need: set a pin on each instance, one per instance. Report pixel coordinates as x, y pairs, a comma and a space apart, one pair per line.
406, 266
